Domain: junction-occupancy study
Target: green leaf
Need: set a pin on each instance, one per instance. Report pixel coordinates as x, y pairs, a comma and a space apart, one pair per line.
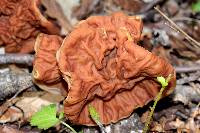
196, 6
162, 81
94, 114
45, 118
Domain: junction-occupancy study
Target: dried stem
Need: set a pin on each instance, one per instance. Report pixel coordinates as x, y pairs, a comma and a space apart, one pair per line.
189, 38
26, 59
68, 126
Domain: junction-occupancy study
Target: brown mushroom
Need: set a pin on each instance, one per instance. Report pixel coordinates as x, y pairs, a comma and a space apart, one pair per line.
45, 68
103, 66
20, 23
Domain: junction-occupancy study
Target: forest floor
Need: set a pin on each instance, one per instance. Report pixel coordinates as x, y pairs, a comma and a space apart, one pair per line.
179, 112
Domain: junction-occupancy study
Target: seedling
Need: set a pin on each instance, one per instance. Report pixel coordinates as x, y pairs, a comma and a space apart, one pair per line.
96, 118
164, 84
46, 118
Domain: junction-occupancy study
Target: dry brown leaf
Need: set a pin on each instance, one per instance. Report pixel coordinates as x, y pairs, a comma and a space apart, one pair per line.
11, 115
189, 126
54, 10
8, 129
32, 102
130, 5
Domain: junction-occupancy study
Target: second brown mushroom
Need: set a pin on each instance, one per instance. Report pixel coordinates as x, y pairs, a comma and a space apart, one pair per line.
20, 22
104, 66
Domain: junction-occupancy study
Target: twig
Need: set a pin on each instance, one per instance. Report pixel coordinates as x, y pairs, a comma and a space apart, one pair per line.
185, 69
6, 106
68, 126
10, 83
102, 128
189, 38
26, 59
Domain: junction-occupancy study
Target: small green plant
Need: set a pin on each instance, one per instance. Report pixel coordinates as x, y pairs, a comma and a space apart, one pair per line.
96, 118
46, 118
164, 83
196, 6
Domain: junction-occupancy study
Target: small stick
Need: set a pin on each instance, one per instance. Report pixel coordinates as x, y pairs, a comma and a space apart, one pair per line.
189, 38
11, 83
185, 69
172, 27
26, 59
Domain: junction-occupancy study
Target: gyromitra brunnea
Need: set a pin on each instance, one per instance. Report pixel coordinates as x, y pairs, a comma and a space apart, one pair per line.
20, 23
103, 66
46, 72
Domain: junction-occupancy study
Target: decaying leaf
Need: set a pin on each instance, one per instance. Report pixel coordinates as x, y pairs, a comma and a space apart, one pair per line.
54, 10
11, 115
9, 129
32, 102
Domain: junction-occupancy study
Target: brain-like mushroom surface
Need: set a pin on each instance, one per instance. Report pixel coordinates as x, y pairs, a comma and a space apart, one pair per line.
45, 67
20, 22
105, 67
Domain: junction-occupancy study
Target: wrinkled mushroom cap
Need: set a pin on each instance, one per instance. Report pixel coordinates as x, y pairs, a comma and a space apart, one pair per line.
103, 66
46, 73
20, 22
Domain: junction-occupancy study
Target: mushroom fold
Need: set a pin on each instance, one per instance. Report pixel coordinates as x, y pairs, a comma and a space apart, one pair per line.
105, 67
46, 73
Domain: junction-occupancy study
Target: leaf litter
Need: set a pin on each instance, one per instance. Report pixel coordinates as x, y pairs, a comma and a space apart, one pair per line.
181, 112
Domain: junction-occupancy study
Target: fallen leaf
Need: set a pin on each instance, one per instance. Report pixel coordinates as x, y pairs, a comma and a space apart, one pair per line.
54, 10
8, 129
32, 102
12, 114
130, 5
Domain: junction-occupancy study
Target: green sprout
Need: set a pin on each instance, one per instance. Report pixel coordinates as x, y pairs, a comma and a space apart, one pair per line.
96, 118
94, 114
164, 83
46, 118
